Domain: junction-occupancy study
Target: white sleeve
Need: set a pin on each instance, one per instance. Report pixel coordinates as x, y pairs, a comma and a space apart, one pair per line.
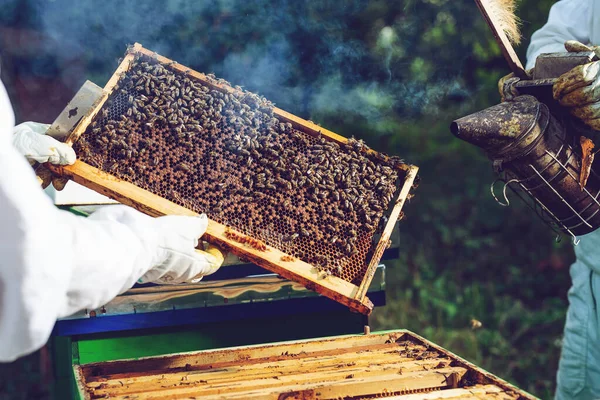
568, 20
52, 262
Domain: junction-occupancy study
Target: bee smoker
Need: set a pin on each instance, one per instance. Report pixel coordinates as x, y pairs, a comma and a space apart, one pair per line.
534, 147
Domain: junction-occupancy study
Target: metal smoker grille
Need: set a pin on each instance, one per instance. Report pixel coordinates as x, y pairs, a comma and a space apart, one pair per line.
226, 155
563, 163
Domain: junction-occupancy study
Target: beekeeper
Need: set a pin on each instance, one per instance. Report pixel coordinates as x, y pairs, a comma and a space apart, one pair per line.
53, 263
579, 90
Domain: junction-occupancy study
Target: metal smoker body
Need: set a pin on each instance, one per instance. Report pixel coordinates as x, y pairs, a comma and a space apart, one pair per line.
534, 146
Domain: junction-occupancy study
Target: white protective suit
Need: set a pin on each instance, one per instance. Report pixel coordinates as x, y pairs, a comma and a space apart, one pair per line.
579, 369
53, 263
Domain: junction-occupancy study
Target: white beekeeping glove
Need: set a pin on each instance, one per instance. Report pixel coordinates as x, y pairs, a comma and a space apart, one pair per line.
29, 138
579, 88
172, 241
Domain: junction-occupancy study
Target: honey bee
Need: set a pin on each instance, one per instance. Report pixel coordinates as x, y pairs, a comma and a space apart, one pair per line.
476, 324
185, 167
291, 237
349, 206
130, 171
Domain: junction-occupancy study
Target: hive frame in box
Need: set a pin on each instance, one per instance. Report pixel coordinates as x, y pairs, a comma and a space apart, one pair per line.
378, 365
333, 287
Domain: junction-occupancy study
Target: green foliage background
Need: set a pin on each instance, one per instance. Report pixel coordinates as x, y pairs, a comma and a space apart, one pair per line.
394, 73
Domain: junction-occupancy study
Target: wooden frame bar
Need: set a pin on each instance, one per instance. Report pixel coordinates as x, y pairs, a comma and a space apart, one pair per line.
505, 46
331, 286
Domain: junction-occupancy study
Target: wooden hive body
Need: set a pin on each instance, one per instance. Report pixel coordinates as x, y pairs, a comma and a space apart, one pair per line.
397, 364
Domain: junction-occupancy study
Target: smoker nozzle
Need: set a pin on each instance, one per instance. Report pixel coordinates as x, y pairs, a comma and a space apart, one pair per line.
498, 126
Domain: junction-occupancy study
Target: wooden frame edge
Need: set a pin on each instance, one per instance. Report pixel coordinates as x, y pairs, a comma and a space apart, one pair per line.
108, 89
387, 232
488, 375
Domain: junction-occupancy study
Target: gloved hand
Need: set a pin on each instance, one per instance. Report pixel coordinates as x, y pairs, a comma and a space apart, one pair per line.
579, 89
506, 86
171, 241
30, 140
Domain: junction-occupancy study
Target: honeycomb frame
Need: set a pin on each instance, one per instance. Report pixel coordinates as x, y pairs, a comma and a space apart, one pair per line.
274, 256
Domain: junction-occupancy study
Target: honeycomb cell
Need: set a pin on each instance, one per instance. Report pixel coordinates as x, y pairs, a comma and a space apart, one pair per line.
226, 154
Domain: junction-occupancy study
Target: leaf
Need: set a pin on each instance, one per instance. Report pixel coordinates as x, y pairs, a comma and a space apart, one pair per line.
587, 158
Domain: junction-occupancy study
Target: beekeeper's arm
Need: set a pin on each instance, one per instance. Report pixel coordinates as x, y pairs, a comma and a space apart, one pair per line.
569, 28
53, 263
568, 20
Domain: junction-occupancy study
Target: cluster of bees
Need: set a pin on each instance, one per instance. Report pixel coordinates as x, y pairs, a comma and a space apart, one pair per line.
412, 350
254, 243
219, 150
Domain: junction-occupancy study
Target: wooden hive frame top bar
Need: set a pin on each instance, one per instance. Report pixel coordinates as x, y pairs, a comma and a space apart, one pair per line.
297, 270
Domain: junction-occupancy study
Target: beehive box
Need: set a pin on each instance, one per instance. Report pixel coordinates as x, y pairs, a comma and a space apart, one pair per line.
398, 364
280, 191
